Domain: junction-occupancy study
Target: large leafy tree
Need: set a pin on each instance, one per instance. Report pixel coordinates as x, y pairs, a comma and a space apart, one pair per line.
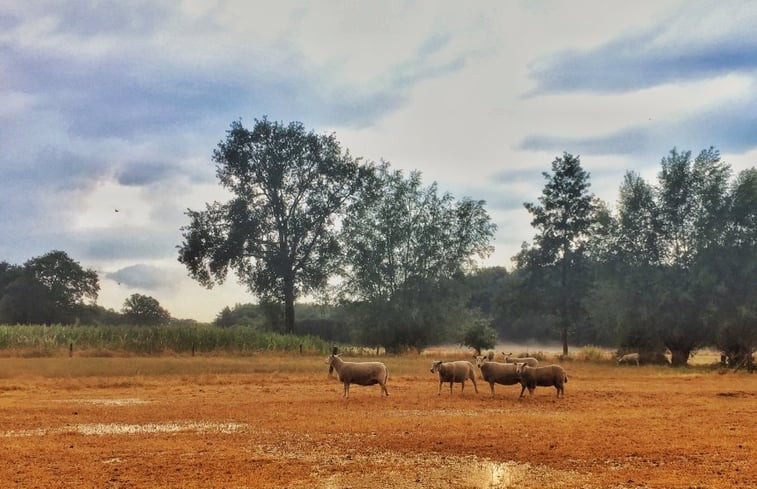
278, 230
555, 264
143, 310
406, 246
64, 278
693, 203
674, 256
46, 289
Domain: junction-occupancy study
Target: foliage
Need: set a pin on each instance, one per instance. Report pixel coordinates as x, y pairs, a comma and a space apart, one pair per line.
143, 310
555, 266
153, 339
278, 231
479, 335
406, 249
46, 289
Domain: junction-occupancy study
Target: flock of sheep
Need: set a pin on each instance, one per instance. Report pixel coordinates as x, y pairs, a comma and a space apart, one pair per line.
525, 371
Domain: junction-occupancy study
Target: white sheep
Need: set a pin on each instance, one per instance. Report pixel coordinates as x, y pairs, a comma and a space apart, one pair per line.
496, 373
551, 375
530, 361
360, 373
454, 372
629, 358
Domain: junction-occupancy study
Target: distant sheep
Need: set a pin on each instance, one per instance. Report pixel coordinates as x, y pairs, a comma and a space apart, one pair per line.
496, 373
360, 373
454, 372
551, 375
629, 359
530, 361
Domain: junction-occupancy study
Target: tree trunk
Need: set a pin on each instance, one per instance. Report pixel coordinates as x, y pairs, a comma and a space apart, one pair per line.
679, 357
289, 305
564, 334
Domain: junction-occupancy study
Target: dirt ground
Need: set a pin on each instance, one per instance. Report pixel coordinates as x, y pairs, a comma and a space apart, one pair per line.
280, 422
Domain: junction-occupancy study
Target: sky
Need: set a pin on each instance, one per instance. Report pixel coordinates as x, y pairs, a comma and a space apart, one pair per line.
118, 106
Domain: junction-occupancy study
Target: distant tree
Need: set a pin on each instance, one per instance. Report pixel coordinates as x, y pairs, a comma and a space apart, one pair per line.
406, 251
225, 318
278, 231
67, 283
693, 208
26, 301
47, 289
144, 310
556, 262
479, 335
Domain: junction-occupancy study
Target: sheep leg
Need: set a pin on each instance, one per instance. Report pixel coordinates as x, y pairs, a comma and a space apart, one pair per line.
383, 389
522, 389
462, 387
450, 388
346, 393
440, 386
491, 386
473, 379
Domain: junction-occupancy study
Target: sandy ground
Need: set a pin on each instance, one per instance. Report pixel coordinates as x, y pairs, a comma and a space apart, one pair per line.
616, 427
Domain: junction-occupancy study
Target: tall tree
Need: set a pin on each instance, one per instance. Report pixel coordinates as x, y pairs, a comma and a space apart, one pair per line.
404, 245
693, 203
278, 231
556, 259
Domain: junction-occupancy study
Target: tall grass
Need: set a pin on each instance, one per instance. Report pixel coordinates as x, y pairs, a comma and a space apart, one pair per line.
49, 340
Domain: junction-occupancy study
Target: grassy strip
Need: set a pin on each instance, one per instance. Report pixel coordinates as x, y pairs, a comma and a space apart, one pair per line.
39, 340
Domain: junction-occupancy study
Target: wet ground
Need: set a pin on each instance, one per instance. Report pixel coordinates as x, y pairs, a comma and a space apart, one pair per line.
617, 427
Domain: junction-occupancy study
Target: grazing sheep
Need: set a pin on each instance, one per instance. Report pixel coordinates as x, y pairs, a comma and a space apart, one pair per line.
360, 373
629, 359
454, 372
496, 373
530, 361
551, 375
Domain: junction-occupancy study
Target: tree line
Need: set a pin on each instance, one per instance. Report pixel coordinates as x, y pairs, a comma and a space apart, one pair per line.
393, 261
55, 289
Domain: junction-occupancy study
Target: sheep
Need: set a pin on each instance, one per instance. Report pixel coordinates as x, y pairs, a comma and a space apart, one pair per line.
496, 373
629, 358
530, 361
551, 375
454, 372
360, 373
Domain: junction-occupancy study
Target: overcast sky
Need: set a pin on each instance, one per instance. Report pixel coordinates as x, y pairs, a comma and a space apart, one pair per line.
119, 105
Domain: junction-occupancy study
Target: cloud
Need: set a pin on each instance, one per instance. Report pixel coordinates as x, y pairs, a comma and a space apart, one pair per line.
145, 277
688, 44
731, 125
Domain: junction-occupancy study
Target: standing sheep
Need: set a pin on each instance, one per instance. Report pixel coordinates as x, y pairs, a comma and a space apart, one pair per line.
496, 373
360, 373
629, 359
530, 361
454, 372
551, 375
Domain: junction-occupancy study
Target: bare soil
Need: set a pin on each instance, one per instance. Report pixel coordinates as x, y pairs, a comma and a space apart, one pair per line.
272, 425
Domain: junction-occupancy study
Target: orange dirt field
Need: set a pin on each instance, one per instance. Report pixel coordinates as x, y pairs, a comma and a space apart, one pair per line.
280, 422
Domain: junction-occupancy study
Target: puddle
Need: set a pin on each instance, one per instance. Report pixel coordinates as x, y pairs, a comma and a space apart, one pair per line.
131, 429
107, 402
503, 475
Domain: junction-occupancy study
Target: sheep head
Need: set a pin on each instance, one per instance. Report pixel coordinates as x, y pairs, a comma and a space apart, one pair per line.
435, 366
